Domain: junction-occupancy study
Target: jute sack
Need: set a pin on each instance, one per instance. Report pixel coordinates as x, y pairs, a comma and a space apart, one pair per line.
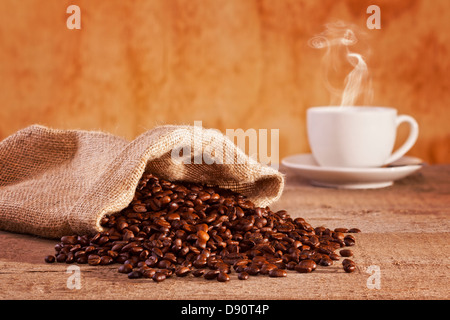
57, 182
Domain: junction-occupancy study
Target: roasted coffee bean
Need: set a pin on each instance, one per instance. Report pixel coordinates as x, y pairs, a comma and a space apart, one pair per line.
70, 257
50, 259
306, 266
252, 270
267, 267
183, 228
349, 240
165, 264
212, 274
151, 261
198, 272
277, 273
136, 250
104, 260
325, 261
223, 267
338, 235
127, 235
346, 253
94, 259
167, 272
76, 248
125, 268
159, 276
334, 256
103, 240
90, 249
204, 196
122, 225
203, 235
82, 260
243, 275
139, 208
182, 271
349, 265
199, 263
79, 253
62, 257
291, 265
69, 239
148, 273
347, 261
223, 277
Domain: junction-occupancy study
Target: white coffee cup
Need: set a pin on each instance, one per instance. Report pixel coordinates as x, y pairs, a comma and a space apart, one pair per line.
357, 137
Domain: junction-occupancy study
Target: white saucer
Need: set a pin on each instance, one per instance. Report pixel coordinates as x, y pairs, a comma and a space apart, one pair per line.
352, 178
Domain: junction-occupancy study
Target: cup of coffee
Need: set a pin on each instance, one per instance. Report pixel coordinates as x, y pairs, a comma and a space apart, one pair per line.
357, 136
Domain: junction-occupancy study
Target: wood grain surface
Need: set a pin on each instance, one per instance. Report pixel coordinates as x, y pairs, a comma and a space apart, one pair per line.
405, 233
229, 63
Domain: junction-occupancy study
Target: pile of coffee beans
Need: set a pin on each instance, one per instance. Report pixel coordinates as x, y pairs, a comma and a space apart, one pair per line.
177, 229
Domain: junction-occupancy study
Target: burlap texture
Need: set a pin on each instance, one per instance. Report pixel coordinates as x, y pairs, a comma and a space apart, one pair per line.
57, 182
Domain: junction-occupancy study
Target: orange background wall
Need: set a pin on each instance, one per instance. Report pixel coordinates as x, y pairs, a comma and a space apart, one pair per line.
230, 63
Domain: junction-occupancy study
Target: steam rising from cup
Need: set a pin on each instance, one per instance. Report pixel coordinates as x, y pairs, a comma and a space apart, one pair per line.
337, 37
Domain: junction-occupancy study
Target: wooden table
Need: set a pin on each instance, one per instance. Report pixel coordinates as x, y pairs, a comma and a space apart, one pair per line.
402, 252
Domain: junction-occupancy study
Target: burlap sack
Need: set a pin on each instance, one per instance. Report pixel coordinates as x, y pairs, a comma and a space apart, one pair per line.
55, 182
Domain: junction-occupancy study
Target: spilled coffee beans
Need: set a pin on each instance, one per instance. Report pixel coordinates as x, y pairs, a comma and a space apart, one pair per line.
177, 229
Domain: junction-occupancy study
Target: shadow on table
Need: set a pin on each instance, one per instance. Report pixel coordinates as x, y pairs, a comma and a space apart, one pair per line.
24, 248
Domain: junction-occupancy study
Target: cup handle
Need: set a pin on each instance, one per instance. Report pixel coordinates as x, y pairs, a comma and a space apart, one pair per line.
413, 135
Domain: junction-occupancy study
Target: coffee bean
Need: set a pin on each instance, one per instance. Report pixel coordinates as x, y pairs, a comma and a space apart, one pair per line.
291, 265
103, 240
182, 271
50, 259
79, 253
223, 277
334, 256
151, 261
148, 273
90, 249
346, 253
204, 196
203, 235
267, 267
122, 225
349, 240
182, 228
139, 208
243, 275
325, 261
252, 270
125, 268
198, 272
306, 266
82, 260
338, 235
159, 276
167, 272
94, 259
105, 260
277, 273
69, 239
210, 275
349, 265
70, 258
199, 263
